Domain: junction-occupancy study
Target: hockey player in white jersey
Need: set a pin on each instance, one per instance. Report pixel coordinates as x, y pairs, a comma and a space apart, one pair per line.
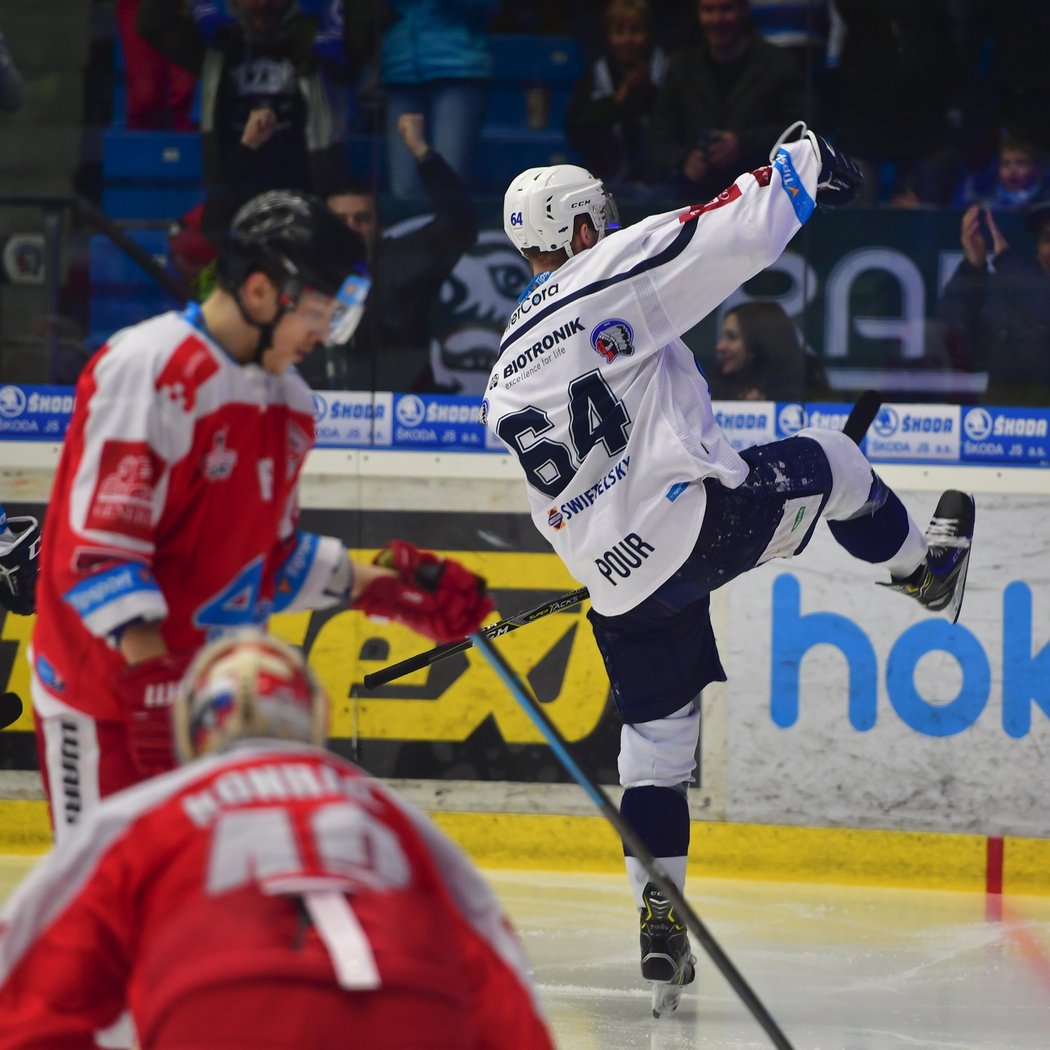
637, 488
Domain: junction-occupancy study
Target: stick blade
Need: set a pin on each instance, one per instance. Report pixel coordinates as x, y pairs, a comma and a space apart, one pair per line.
10, 709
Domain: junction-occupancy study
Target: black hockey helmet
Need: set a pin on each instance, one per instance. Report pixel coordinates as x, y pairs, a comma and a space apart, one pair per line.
295, 239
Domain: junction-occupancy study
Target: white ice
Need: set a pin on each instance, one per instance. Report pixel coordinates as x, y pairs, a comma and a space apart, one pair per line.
837, 967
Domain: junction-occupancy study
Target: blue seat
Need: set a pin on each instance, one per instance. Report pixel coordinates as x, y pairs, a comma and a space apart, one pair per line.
150, 174
536, 58
169, 156
506, 152
533, 77
122, 293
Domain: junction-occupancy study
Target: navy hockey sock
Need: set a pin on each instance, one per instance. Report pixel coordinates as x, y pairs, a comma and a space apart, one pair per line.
878, 530
660, 816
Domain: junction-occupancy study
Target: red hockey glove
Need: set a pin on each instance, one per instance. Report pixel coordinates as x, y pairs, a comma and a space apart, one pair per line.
436, 597
145, 693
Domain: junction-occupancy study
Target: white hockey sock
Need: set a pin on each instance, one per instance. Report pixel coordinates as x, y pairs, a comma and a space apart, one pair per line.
638, 876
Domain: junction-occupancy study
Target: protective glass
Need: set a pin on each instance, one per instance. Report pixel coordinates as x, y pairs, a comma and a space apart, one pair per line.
612, 212
349, 307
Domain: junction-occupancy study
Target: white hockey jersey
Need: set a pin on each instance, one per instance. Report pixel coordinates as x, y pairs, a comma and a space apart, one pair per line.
605, 406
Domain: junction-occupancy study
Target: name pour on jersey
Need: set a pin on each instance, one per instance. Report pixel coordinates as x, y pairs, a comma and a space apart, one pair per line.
623, 557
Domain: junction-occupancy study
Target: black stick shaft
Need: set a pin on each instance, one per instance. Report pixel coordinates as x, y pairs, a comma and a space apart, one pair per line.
862, 415
633, 842
511, 623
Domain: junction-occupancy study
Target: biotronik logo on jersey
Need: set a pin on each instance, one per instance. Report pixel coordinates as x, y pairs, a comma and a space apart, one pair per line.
613, 337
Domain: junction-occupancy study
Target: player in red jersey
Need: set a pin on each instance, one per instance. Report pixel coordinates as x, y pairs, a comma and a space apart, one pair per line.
266, 894
174, 509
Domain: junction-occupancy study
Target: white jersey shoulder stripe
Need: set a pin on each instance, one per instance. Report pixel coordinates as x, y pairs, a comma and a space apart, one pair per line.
674, 249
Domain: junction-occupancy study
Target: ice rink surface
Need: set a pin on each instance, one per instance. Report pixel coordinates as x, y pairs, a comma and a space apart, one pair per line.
838, 967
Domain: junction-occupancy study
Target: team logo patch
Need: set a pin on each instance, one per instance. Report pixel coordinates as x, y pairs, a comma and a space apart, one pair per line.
218, 462
128, 472
612, 337
555, 519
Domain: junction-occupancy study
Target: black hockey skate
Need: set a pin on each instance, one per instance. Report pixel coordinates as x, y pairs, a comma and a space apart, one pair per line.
940, 581
666, 958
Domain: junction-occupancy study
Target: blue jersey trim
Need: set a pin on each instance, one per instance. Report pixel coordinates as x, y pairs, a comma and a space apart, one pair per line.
293, 574
673, 250
792, 185
111, 585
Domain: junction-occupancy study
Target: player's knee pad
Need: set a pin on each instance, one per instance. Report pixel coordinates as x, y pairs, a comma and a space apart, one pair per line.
660, 753
851, 473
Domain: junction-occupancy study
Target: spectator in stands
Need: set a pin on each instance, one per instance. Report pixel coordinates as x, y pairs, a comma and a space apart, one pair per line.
760, 358
998, 302
192, 255
390, 347
608, 119
159, 93
435, 59
11, 86
1015, 179
272, 119
722, 104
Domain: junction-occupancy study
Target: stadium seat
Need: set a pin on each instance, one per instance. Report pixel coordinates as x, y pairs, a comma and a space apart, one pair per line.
532, 81
150, 174
505, 152
122, 293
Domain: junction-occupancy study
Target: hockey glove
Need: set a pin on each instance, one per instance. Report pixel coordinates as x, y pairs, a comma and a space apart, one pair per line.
19, 565
839, 178
145, 693
437, 597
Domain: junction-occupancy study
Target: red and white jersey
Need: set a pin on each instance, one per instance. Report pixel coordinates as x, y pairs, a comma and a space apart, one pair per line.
275, 863
605, 406
175, 499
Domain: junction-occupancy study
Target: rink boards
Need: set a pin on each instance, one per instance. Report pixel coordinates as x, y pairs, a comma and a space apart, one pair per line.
857, 739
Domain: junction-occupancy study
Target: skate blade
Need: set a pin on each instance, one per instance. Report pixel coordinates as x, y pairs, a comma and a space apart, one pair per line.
954, 607
666, 997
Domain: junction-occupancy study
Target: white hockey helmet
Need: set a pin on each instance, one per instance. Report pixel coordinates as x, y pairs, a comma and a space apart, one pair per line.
541, 206
248, 684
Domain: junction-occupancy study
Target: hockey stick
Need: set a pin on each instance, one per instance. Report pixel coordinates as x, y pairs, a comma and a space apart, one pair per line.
862, 415
511, 623
633, 842
10, 709
860, 418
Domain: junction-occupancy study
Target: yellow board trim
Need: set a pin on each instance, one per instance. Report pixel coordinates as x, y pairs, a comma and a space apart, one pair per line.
753, 851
